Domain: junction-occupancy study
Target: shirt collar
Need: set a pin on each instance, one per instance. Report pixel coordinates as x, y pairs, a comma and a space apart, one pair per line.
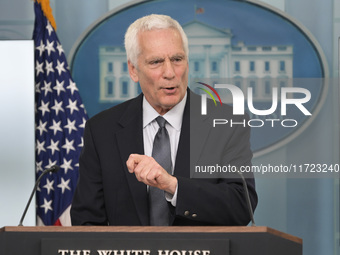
173, 117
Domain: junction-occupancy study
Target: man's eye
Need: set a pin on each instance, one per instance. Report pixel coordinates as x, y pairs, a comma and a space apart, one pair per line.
177, 59
155, 62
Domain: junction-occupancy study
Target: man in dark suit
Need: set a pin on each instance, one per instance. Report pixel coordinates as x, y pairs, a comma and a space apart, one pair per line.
117, 171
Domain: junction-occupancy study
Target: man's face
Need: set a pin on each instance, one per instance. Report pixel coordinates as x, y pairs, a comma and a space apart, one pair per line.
162, 68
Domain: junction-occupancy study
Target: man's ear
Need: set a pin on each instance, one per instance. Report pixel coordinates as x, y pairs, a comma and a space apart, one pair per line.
133, 72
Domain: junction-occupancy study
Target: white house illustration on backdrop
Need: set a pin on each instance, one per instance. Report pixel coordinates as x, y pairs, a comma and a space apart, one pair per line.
211, 55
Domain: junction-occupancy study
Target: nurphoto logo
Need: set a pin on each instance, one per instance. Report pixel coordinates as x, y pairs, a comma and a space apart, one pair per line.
288, 96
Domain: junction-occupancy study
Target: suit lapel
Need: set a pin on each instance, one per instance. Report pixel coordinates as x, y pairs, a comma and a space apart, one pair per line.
194, 132
130, 140
182, 157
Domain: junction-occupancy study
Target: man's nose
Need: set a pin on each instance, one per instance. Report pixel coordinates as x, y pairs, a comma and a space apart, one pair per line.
168, 70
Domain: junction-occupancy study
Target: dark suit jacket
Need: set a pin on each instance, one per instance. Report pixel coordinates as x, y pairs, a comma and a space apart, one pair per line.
107, 194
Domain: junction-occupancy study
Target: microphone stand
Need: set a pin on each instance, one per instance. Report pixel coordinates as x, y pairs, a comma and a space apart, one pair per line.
54, 168
251, 213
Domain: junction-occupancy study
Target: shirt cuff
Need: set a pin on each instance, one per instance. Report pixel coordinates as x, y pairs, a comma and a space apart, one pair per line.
172, 198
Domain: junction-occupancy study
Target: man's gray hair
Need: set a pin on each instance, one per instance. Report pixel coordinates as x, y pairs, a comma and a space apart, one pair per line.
147, 23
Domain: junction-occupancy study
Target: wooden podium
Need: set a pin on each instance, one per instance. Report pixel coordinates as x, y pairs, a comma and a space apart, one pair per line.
147, 241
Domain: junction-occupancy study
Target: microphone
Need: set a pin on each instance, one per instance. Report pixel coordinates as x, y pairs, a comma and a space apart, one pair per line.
52, 169
250, 209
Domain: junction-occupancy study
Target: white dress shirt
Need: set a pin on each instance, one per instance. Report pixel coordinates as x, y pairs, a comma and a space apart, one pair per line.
173, 125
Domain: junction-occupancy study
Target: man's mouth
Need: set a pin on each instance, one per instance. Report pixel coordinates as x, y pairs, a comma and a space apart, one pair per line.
169, 90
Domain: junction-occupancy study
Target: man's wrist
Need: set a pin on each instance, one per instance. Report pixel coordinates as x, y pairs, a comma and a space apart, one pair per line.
172, 186
172, 198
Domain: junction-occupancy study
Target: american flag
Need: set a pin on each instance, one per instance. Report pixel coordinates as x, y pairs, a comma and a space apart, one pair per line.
60, 119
